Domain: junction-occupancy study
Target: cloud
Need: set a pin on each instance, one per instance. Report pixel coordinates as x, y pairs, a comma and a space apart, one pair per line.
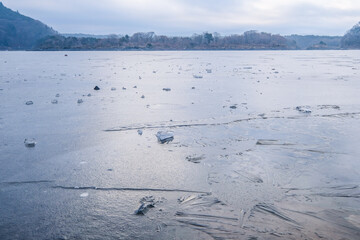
179, 17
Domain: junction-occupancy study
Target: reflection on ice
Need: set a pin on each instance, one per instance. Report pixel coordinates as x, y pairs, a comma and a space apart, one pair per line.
265, 148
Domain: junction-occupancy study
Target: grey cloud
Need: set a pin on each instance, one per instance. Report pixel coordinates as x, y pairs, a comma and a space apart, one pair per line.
183, 17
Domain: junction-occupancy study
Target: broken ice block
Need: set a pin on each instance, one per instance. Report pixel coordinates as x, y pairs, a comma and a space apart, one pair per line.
30, 142
303, 109
165, 137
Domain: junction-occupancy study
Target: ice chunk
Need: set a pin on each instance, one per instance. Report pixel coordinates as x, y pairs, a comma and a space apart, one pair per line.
166, 89
165, 137
30, 142
146, 203
29, 103
57, 95
144, 208
208, 70
113, 89
84, 195
303, 109
197, 76
140, 132
96, 88
54, 101
80, 100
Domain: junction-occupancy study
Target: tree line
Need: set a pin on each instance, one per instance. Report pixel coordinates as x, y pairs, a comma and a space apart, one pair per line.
150, 41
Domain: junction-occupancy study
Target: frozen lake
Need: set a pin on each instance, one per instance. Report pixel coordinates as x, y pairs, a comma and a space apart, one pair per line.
266, 145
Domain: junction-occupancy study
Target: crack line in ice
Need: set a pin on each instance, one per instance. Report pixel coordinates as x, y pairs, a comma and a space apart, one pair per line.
182, 125
131, 189
263, 207
27, 182
184, 214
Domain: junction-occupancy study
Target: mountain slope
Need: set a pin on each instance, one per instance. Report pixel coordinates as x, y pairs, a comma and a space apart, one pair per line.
351, 39
20, 32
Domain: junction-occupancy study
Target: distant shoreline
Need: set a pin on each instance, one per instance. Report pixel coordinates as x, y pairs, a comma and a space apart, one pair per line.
174, 50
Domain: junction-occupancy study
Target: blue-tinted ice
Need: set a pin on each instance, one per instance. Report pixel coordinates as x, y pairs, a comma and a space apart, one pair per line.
265, 147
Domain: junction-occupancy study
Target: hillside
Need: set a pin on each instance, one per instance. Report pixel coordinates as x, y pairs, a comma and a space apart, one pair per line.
351, 39
20, 32
316, 42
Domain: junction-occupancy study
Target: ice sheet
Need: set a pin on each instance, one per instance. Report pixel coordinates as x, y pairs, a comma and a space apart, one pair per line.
249, 159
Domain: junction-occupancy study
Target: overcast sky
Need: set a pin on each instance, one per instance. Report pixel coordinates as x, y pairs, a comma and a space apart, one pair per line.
184, 17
